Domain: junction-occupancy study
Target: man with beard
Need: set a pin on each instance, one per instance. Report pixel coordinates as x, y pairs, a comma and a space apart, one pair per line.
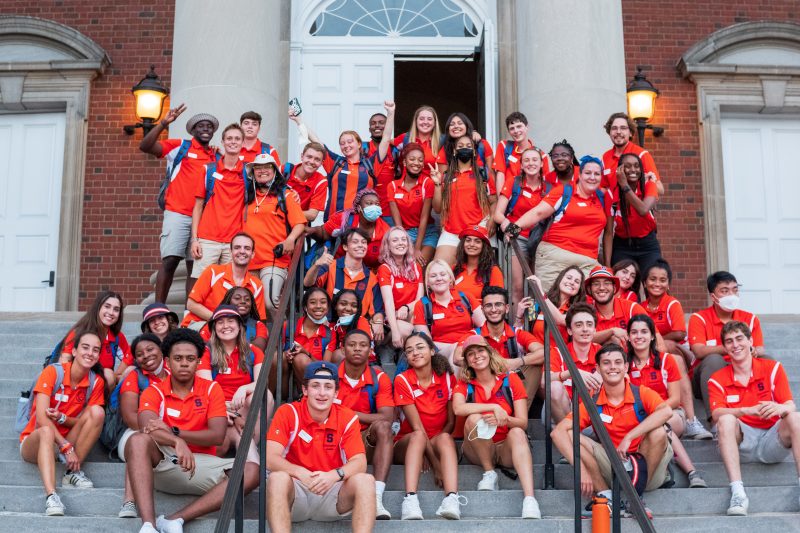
305, 179
276, 221
620, 129
368, 392
187, 160
519, 348
613, 313
212, 284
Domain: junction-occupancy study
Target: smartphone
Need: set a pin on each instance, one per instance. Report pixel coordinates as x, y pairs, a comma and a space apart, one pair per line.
294, 105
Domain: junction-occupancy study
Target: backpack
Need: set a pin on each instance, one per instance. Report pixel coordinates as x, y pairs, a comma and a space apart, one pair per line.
25, 402
55, 355
171, 172
250, 362
505, 388
114, 426
516, 190
538, 231
211, 170
512, 346
427, 308
638, 406
250, 328
372, 390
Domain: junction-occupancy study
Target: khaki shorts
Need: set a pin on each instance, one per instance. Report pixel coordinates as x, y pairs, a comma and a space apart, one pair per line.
761, 445
654, 479
321, 508
176, 235
123, 440
551, 260
214, 253
208, 473
278, 277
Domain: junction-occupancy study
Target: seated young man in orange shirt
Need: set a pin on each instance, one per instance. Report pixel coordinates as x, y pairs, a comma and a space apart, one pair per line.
368, 392
182, 420
212, 284
316, 459
635, 425
68, 419
752, 405
705, 331
613, 313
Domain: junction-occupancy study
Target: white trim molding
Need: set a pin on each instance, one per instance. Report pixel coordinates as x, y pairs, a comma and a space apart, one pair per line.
753, 69
47, 66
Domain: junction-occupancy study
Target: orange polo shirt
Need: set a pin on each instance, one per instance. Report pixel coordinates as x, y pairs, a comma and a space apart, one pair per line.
233, 377
107, 359
623, 311
558, 365
314, 446
705, 327
339, 332
628, 295
620, 419
432, 403
404, 290
373, 246
441, 156
356, 397
768, 383
451, 322
266, 223
467, 282
315, 345
611, 162
465, 211
222, 215
249, 155
68, 399
640, 226
656, 379
552, 177
427, 150
192, 172
131, 381
526, 200
214, 282
364, 282
538, 326
523, 338
668, 316
578, 228
511, 167
410, 201
313, 191
496, 397
192, 413
385, 176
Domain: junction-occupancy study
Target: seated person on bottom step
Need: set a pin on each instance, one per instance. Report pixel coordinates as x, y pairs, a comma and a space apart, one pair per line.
634, 419
316, 459
182, 420
752, 405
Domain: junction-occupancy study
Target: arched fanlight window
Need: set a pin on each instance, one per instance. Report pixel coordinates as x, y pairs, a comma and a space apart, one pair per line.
393, 18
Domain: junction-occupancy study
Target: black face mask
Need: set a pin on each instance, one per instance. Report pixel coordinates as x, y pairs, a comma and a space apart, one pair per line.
464, 155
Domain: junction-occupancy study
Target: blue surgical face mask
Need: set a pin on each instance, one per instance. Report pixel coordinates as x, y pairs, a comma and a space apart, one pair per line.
346, 320
372, 212
318, 321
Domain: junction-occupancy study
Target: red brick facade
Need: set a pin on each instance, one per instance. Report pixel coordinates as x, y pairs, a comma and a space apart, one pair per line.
121, 222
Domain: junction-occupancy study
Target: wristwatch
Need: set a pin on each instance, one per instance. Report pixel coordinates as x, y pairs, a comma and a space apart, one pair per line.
341, 474
176, 431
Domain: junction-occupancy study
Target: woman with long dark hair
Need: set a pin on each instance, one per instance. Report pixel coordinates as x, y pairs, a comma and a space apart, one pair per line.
457, 126
630, 280
475, 263
566, 291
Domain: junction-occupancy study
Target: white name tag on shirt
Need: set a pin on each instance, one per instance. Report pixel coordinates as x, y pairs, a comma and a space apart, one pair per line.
217, 176
418, 393
173, 412
459, 279
527, 194
606, 418
227, 285
337, 401
226, 371
399, 285
398, 196
343, 171
568, 383
305, 436
190, 155
606, 171
732, 398
635, 374
581, 204
438, 316
512, 159
711, 342
61, 397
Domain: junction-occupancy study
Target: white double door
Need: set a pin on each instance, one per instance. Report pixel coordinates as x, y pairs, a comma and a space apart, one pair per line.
762, 203
31, 167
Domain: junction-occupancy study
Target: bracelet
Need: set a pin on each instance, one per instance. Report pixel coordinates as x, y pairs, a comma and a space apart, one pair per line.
66, 447
61, 419
626, 189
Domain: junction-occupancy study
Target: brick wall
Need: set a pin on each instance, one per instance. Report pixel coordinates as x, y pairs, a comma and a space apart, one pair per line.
656, 35
121, 221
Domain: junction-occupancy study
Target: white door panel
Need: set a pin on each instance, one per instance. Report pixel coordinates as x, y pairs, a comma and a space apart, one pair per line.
31, 166
762, 183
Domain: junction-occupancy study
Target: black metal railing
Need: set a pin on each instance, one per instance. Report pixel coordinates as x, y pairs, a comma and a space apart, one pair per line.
580, 393
233, 503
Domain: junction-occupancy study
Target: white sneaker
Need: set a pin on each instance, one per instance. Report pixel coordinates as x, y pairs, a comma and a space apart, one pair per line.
169, 526
739, 505
450, 507
53, 506
410, 509
77, 479
147, 527
128, 510
489, 481
530, 508
380, 511
695, 430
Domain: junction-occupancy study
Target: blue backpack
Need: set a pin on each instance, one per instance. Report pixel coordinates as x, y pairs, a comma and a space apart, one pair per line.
172, 169
114, 426
538, 231
211, 169
505, 389
25, 402
427, 308
250, 362
638, 406
372, 390
55, 355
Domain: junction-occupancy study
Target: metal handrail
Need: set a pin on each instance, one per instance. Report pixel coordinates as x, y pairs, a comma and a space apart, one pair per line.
621, 477
234, 492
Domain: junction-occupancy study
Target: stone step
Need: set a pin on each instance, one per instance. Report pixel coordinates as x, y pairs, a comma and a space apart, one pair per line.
505, 503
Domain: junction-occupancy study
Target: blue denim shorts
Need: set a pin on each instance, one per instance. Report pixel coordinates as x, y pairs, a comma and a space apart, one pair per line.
431, 236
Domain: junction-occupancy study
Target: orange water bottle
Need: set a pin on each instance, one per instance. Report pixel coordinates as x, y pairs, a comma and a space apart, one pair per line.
601, 515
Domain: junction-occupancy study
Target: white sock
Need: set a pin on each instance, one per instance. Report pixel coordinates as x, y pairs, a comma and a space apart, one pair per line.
380, 486
606, 494
488, 472
737, 487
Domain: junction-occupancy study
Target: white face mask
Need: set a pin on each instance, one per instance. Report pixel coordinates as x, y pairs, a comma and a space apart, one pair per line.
729, 303
160, 368
482, 430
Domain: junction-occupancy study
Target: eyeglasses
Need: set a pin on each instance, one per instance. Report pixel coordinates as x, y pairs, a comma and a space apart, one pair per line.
498, 305
561, 155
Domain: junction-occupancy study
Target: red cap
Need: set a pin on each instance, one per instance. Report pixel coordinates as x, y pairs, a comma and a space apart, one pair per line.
601, 272
475, 231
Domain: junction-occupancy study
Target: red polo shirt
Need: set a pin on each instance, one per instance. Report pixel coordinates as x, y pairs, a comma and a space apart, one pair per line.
465, 211
223, 214
431, 403
214, 282
467, 282
511, 167
640, 226
410, 201
190, 174
557, 365
705, 327
249, 155
623, 311
668, 316
496, 397
768, 382
356, 397
232, 377
373, 246
611, 162
404, 290
385, 176
315, 345
526, 200
313, 191
653, 378
451, 322
578, 228
107, 359
523, 339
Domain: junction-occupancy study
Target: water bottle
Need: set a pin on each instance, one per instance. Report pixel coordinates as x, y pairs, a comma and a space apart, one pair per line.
601, 515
